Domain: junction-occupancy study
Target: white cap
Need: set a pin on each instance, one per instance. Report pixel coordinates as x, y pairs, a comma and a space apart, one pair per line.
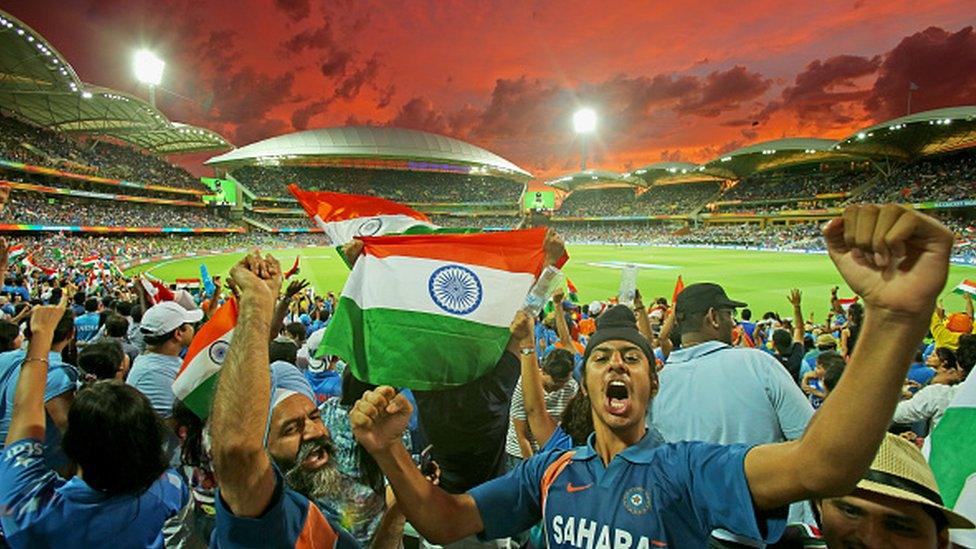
595, 308
167, 316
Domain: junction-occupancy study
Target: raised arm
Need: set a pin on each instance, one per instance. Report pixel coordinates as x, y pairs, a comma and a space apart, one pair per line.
643, 324
281, 309
378, 421
664, 337
28, 419
969, 304
540, 422
240, 407
795, 298
897, 260
562, 327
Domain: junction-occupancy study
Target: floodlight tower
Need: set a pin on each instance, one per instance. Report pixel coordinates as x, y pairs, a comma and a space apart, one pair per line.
148, 69
584, 122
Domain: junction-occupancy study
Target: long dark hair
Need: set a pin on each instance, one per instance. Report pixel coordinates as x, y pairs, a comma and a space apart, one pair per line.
191, 445
109, 421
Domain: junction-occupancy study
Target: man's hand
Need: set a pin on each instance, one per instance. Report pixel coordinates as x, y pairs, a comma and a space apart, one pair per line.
558, 297
379, 418
45, 319
4, 254
522, 329
638, 300
295, 287
554, 247
795, 297
895, 257
352, 251
256, 277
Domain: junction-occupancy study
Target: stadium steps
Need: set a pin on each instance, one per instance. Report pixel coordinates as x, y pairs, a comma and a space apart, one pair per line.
258, 224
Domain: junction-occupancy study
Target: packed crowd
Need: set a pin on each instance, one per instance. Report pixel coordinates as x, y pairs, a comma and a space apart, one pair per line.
586, 407
799, 236
32, 145
398, 185
88, 186
34, 208
658, 200
952, 177
796, 186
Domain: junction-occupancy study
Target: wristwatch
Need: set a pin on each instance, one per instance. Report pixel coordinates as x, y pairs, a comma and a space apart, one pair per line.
526, 351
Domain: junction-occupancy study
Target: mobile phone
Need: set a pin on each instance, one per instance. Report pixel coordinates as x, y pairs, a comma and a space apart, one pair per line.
427, 467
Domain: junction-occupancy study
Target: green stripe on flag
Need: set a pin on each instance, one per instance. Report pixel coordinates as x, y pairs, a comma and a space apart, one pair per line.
410, 349
200, 400
953, 448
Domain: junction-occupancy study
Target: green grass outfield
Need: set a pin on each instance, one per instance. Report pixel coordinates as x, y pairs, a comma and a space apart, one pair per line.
761, 279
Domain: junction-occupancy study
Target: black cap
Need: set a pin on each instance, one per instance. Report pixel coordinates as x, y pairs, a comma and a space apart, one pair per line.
615, 324
703, 296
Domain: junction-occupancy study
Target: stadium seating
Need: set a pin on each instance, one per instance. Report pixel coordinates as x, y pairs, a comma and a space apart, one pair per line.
42, 209
402, 186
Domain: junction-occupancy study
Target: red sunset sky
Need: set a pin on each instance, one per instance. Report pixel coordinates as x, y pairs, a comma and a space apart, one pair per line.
671, 80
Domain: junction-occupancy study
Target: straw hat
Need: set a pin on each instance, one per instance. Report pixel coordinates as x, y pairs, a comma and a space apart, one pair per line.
900, 471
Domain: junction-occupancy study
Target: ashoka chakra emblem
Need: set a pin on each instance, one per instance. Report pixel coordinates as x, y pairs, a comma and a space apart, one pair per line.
455, 289
370, 227
218, 351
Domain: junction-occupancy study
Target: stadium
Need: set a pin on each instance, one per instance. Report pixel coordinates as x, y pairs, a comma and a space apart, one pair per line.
96, 198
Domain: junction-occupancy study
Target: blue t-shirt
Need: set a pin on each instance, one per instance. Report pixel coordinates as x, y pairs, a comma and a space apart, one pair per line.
61, 378
560, 440
325, 384
86, 326
45, 510
153, 374
290, 521
920, 373
650, 495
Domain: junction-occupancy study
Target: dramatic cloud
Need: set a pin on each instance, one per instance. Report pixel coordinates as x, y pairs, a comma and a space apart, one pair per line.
941, 64
826, 92
295, 9
724, 91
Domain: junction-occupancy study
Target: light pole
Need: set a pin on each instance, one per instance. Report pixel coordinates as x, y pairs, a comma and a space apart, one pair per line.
584, 122
148, 69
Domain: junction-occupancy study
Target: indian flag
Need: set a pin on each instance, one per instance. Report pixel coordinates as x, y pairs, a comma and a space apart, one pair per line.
952, 445
432, 311
196, 382
15, 251
965, 287
89, 261
344, 217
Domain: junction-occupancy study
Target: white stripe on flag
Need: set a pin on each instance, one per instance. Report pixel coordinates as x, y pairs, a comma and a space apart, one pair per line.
340, 232
200, 368
401, 282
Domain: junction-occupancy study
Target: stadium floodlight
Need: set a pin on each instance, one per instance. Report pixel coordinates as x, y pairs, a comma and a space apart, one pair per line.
584, 120
148, 69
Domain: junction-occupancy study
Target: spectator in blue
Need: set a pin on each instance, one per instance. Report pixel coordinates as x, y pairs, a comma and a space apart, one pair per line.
106, 505
58, 392
86, 325
625, 485
920, 372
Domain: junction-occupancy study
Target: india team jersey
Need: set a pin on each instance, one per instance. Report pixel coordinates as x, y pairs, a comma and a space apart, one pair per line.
291, 520
651, 495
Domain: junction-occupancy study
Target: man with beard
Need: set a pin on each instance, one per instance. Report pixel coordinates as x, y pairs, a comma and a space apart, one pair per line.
627, 489
259, 505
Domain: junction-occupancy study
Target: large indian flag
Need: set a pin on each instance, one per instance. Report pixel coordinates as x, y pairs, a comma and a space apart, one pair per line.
197, 380
344, 217
952, 445
433, 311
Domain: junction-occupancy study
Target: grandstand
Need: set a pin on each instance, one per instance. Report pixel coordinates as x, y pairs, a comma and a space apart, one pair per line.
432, 173
80, 159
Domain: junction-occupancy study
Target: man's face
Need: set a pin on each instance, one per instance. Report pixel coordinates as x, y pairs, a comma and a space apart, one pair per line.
726, 323
620, 384
186, 334
299, 443
868, 520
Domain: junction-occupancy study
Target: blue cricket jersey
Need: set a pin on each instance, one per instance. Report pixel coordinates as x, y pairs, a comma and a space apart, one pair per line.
45, 510
651, 495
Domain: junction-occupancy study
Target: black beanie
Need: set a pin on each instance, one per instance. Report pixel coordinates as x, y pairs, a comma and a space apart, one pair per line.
618, 323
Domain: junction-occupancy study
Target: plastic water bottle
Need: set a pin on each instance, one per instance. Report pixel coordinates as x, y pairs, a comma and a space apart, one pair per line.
628, 285
541, 290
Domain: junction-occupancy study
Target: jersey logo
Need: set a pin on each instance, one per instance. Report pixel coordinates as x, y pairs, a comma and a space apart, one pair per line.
637, 501
573, 489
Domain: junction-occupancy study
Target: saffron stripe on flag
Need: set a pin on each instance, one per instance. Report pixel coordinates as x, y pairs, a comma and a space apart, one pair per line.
196, 380
517, 251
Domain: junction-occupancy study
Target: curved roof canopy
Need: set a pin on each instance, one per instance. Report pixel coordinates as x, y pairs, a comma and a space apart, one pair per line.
38, 84
668, 173
594, 179
775, 154
372, 142
923, 133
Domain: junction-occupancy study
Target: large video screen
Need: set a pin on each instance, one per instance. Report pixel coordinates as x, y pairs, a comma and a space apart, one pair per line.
540, 200
225, 191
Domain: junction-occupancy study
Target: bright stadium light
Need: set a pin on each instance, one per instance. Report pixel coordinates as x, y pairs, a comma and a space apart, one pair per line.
584, 120
148, 69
